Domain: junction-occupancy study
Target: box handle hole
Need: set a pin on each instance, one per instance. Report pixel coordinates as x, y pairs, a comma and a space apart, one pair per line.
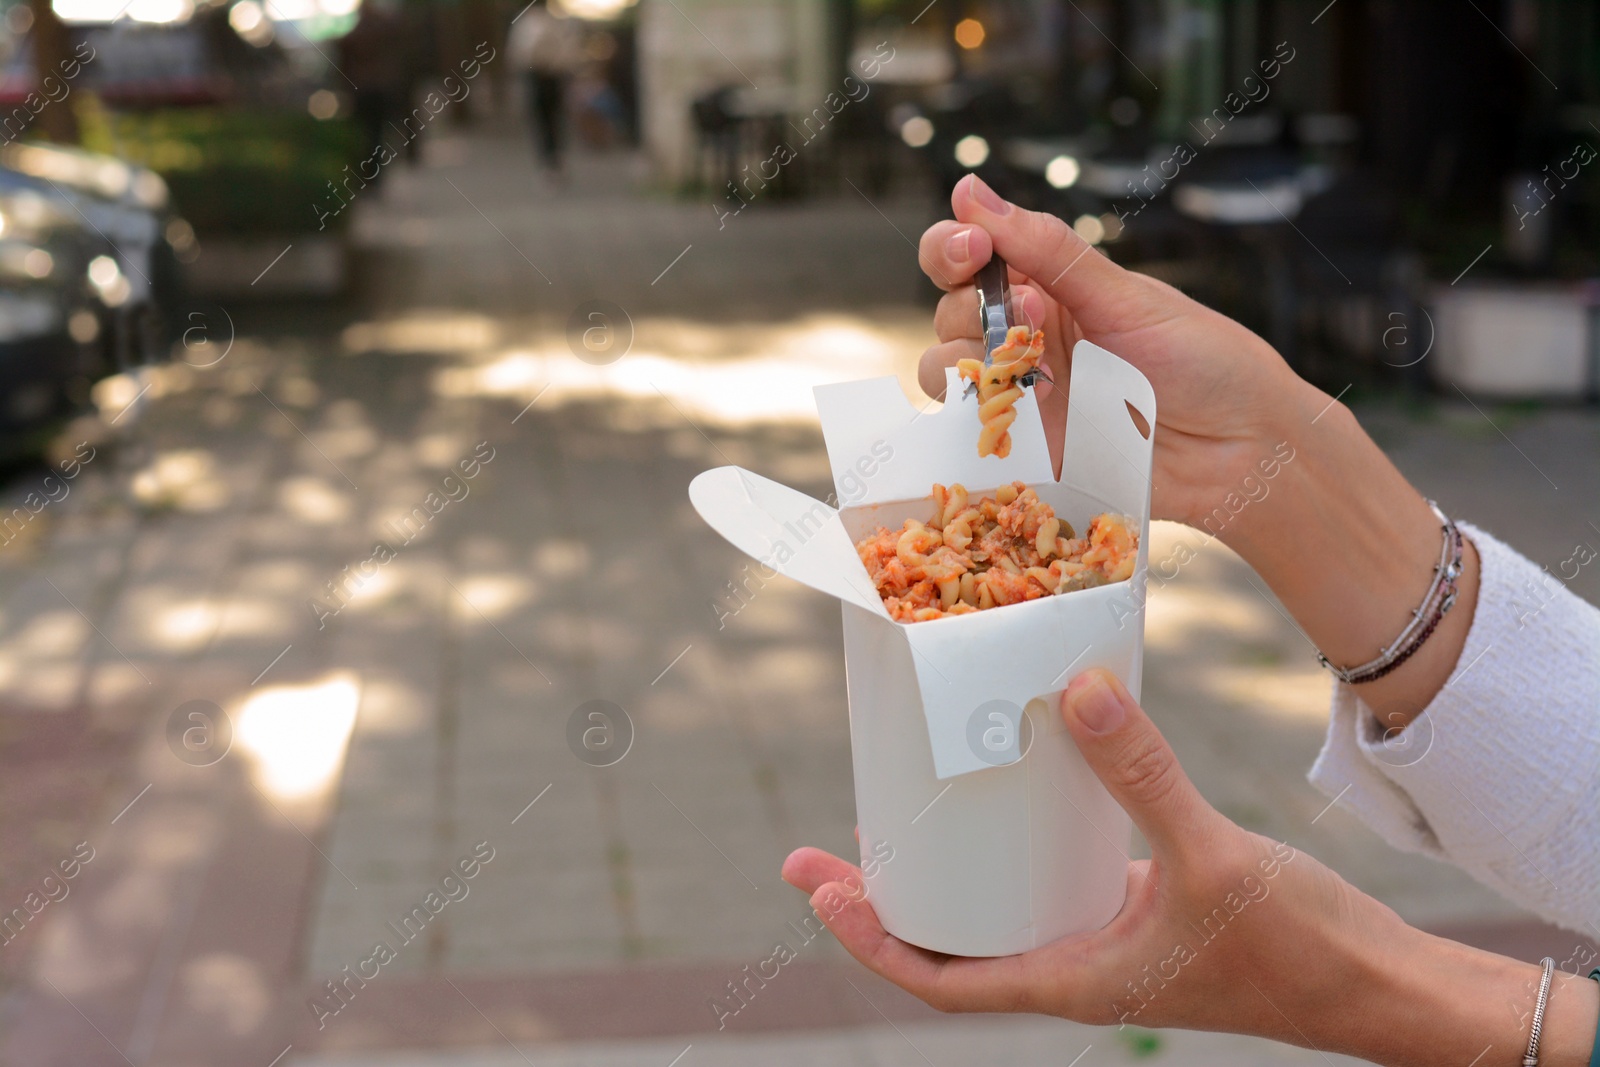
1140, 423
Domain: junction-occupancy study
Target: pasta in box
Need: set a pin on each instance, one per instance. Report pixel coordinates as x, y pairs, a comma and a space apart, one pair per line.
1003, 838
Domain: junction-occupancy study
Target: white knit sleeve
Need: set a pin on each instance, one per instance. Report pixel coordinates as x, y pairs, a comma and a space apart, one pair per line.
1500, 774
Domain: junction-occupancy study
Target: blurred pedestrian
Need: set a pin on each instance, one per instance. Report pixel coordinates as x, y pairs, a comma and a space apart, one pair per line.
548, 45
597, 110
374, 57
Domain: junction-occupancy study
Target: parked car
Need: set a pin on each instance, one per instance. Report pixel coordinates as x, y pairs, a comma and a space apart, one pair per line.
88, 278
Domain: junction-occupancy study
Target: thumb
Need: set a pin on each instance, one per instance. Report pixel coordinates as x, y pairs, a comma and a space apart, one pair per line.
1103, 297
1134, 762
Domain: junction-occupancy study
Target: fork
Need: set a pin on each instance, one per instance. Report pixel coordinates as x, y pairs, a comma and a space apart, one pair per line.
995, 317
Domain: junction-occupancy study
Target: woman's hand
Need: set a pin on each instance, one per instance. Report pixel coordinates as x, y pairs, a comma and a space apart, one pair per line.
1206, 878
1345, 542
1223, 930
1220, 388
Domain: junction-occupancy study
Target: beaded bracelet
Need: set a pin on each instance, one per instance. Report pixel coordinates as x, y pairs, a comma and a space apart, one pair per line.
1441, 597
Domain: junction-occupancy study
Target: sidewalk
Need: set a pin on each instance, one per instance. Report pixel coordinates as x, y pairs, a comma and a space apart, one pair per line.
394, 715
984, 1042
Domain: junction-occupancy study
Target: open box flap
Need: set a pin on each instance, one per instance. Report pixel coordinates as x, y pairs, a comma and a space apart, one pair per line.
1105, 454
865, 421
785, 530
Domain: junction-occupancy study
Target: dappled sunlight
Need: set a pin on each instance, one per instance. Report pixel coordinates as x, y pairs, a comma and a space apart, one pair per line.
346, 442
280, 573
39, 665
1180, 613
296, 734
495, 595
1199, 591
346, 431
113, 681
175, 840
842, 342
787, 672
392, 708
115, 395
1229, 640
71, 954
183, 627
112, 395
563, 630
229, 988
406, 520
295, 390
732, 393
561, 559
245, 377
314, 500
769, 379
367, 591
175, 625
41, 685
770, 608
425, 332
185, 479
849, 338
440, 449
255, 617
1294, 694
49, 633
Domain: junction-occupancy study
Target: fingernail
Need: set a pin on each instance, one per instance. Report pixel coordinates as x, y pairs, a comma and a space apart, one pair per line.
987, 198
959, 247
1096, 704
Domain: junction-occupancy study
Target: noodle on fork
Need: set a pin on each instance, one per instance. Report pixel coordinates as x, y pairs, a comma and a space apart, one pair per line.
1000, 386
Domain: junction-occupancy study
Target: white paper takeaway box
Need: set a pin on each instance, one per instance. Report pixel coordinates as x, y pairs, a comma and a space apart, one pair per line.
996, 850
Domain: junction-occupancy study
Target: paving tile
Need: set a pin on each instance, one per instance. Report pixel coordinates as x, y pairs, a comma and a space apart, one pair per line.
709, 910
525, 911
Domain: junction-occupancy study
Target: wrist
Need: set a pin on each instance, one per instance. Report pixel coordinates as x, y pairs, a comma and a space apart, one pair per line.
1350, 548
1338, 493
1341, 519
1435, 1001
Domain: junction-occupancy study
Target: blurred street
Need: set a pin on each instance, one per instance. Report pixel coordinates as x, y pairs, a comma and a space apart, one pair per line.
403, 544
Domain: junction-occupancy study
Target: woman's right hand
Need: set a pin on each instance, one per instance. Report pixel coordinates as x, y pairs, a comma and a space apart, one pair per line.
1228, 410
1223, 392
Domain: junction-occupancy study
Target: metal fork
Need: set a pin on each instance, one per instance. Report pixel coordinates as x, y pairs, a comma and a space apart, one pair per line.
995, 317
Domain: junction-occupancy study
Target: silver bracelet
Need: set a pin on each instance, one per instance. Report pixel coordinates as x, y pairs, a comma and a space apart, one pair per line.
1438, 601
1532, 1058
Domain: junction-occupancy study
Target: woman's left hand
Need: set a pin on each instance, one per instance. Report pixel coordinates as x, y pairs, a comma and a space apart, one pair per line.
1223, 929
